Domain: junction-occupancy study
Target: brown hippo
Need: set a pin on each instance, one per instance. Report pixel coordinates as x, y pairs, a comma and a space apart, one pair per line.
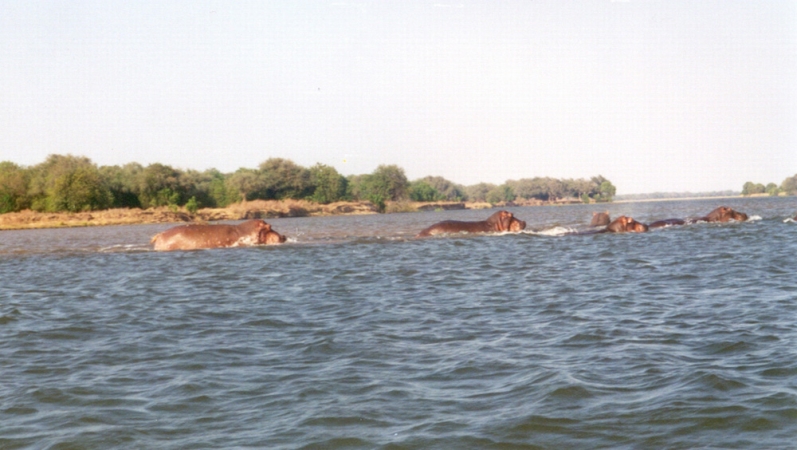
498, 222
721, 214
600, 219
621, 224
625, 224
667, 223
191, 237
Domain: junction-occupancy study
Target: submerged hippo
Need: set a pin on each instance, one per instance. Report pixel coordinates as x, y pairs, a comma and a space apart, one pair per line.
721, 214
625, 224
600, 219
622, 224
498, 222
192, 237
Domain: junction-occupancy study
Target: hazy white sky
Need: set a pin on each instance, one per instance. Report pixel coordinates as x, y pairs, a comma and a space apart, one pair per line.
654, 95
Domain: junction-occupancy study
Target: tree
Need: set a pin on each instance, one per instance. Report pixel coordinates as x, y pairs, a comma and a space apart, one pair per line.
446, 189
772, 189
386, 183
245, 183
68, 183
607, 191
198, 185
13, 187
390, 182
789, 185
421, 191
329, 185
282, 178
218, 191
502, 193
160, 185
122, 182
529, 188
478, 192
751, 188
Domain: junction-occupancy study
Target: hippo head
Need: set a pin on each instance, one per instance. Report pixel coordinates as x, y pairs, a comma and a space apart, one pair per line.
725, 214
501, 221
600, 219
517, 225
271, 237
626, 224
636, 227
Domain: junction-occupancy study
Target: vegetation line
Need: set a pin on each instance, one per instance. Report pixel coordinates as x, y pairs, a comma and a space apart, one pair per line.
67, 183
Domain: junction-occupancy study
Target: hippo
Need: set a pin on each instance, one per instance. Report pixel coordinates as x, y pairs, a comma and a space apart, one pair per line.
195, 236
600, 219
622, 224
667, 223
498, 222
721, 214
625, 224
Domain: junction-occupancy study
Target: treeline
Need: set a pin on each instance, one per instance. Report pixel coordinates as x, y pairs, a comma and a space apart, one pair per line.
66, 183
664, 195
788, 186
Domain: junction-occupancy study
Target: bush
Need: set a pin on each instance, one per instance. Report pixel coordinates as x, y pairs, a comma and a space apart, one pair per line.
421, 191
191, 205
13, 188
330, 186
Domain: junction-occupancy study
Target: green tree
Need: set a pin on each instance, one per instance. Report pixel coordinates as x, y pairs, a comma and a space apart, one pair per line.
13, 187
478, 192
123, 184
446, 189
245, 183
772, 189
789, 185
68, 183
282, 178
607, 191
502, 193
390, 182
386, 183
198, 185
330, 186
191, 205
421, 191
160, 185
751, 188
220, 195
529, 188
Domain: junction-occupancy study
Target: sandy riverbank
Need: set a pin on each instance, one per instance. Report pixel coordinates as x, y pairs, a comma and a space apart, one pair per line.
258, 209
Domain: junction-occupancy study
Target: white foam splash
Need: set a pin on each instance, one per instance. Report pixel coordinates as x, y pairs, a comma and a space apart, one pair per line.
555, 231
125, 248
753, 218
789, 220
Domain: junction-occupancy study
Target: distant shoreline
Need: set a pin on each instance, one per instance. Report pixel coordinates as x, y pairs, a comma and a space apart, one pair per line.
266, 209
669, 199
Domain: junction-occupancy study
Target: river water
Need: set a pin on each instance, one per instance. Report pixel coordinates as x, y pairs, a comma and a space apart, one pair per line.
356, 335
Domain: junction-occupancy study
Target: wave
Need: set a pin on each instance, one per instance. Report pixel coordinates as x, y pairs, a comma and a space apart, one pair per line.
555, 231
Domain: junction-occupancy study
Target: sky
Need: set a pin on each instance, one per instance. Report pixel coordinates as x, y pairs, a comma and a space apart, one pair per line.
656, 96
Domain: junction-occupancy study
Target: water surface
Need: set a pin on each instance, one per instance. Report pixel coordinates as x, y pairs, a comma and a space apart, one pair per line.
356, 335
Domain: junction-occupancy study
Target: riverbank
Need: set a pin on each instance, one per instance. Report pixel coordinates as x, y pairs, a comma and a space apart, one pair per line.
258, 209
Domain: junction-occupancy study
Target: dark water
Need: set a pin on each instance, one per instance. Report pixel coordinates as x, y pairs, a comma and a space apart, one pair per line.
357, 336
